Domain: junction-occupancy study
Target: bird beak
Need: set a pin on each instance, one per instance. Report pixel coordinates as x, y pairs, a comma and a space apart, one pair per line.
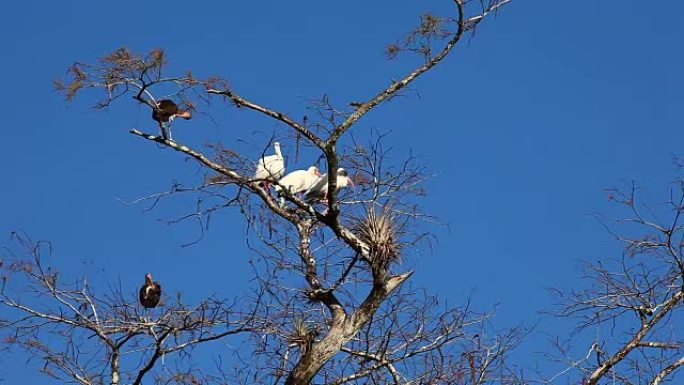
351, 182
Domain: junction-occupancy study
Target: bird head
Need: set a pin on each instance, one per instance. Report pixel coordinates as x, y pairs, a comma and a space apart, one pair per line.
345, 174
314, 170
148, 278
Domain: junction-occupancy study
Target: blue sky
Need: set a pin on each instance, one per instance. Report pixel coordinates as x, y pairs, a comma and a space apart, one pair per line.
524, 126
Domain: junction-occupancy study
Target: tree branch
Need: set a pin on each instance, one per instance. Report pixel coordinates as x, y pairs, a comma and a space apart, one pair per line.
240, 101
666, 371
634, 342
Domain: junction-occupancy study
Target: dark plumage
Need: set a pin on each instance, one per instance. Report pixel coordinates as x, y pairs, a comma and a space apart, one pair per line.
164, 113
167, 110
150, 292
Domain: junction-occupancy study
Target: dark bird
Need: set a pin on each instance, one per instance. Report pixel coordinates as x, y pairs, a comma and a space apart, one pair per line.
150, 292
165, 112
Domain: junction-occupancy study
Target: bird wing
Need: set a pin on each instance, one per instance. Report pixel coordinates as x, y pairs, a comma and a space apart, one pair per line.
261, 170
164, 111
318, 188
293, 180
157, 289
308, 182
270, 166
168, 106
160, 116
275, 166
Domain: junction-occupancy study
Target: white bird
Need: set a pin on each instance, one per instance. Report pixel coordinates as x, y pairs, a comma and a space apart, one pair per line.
319, 190
271, 166
299, 180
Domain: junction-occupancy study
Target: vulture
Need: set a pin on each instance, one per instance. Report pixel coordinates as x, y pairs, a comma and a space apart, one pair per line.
271, 166
164, 114
150, 292
319, 190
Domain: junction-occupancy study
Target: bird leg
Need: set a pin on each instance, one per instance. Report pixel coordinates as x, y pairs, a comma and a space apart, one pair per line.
165, 133
168, 127
266, 186
145, 316
153, 333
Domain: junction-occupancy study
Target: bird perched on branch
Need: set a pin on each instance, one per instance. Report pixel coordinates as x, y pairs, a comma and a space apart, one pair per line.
165, 112
319, 190
297, 181
271, 167
150, 292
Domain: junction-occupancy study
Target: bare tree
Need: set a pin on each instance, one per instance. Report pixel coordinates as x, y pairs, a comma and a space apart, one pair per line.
83, 338
332, 304
629, 315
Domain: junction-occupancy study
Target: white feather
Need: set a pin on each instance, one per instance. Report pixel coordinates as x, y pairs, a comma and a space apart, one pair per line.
319, 189
299, 180
271, 166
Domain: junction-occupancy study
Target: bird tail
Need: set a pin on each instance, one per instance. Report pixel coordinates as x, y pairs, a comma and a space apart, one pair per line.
185, 114
309, 196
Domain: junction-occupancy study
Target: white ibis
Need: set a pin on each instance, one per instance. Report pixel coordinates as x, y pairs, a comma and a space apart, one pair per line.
297, 181
271, 166
164, 114
319, 190
150, 292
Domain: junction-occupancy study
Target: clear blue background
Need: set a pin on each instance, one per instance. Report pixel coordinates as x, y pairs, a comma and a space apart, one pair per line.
525, 125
